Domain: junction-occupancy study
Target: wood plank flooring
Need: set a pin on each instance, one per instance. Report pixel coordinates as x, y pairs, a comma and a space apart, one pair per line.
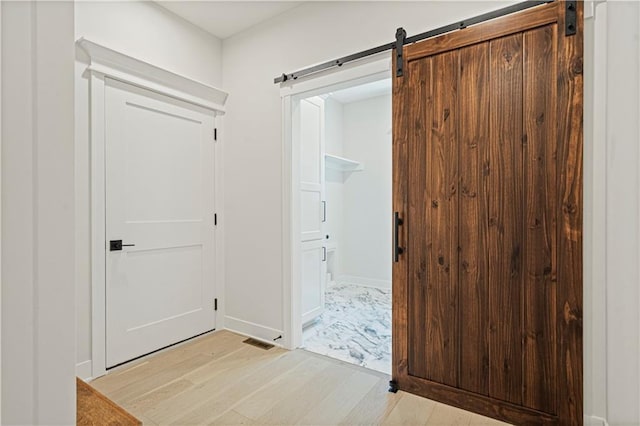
218, 380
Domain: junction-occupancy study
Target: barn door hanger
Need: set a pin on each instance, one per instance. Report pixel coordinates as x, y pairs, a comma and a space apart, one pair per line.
570, 18
401, 36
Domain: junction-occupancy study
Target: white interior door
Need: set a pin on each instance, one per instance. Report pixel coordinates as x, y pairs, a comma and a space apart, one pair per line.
159, 198
313, 207
312, 168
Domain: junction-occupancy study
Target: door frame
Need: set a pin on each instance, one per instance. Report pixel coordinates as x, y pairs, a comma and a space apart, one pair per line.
374, 68
106, 63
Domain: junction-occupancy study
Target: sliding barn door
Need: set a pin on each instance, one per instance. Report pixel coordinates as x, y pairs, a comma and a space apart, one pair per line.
488, 184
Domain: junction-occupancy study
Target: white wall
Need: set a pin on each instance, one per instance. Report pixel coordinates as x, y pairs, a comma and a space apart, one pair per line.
38, 335
150, 33
622, 237
310, 33
366, 242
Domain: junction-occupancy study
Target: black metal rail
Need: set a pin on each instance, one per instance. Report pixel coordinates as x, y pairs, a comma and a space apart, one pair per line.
422, 36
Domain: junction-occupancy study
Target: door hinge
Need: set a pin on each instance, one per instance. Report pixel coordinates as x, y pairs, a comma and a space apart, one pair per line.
570, 18
215, 219
215, 304
215, 134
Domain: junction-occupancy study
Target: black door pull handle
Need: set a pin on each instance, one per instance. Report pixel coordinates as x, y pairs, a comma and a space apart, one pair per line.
116, 245
397, 250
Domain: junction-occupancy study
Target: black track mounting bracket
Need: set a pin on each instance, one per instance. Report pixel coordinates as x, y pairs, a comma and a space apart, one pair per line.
401, 36
570, 17
393, 386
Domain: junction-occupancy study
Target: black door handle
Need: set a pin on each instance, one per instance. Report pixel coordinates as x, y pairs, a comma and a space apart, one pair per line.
397, 250
116, 245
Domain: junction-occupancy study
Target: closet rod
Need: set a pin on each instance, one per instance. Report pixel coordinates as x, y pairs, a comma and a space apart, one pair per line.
422, 36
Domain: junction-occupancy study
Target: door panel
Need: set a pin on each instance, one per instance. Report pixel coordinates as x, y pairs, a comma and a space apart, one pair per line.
314, 271
160, 197
313, 255
312, 167
487, 179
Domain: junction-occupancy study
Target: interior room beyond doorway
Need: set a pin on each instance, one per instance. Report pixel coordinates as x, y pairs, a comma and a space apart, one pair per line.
346, 267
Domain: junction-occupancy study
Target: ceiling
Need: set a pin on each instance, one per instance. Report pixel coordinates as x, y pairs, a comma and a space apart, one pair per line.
226, 18
362, 92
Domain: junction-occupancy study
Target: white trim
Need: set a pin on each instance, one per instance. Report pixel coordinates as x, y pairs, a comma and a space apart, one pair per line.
98, 220
376, 67
595, 421
363, 281
351, 74
105, 63
0, 210
119, 66
84, 370
598, 250
638, 186
257, 331
220, 227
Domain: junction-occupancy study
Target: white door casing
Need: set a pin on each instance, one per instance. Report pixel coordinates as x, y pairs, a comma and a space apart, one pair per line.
106, 63
292, 92
160, 197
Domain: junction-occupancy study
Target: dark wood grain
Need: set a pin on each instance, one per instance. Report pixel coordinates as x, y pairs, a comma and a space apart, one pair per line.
540, 251
441, 224
569, 215
421, 99
504, 237
481, 404
500, 27
473, 128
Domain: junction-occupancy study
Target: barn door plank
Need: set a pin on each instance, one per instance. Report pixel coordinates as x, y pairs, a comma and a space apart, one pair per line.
540, 267
418, 160
505, 212
473, 128
442, 227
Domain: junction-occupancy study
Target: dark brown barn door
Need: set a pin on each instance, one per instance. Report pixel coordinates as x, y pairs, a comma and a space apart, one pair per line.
488, 184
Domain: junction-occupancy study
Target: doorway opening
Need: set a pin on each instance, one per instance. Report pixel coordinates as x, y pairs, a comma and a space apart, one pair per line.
345, 201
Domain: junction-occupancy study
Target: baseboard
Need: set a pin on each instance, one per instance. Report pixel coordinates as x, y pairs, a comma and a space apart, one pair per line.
84, 370
594, 421
365, 282
257, 331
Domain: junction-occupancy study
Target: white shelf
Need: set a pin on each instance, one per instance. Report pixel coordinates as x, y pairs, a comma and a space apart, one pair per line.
342, 164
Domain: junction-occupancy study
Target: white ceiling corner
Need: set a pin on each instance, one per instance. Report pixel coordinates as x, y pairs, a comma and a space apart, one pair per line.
226, 18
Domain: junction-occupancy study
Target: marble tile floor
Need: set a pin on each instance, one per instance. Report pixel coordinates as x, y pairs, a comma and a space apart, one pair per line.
355, 327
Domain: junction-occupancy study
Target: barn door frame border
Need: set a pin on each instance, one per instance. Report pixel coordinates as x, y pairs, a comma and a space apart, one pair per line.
105, 63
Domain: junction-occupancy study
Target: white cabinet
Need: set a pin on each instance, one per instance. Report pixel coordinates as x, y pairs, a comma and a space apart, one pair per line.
313, 207
314, 272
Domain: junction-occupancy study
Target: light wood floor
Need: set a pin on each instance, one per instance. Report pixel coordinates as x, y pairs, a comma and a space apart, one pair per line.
217, 379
